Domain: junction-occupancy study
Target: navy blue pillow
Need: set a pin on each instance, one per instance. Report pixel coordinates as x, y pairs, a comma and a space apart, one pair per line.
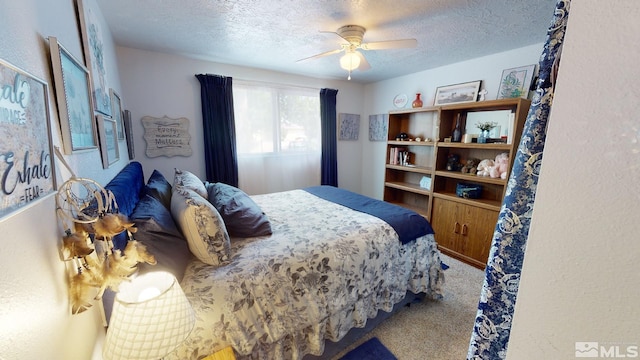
158, 187
242, 216
159, 233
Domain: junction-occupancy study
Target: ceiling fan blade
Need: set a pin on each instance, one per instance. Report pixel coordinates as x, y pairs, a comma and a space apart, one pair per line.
364, 64
327, 53
390, 44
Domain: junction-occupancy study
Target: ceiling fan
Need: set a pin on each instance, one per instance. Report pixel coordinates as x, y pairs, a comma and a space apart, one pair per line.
353, 59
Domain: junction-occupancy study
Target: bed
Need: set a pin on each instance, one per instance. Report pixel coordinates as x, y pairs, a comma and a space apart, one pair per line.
276, 275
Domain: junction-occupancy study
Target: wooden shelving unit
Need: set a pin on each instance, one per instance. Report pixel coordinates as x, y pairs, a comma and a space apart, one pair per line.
464, 227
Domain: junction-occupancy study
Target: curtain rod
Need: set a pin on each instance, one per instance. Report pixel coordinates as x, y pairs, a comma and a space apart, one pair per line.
245, 81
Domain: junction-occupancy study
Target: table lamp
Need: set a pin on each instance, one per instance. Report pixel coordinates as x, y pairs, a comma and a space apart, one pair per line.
151, 317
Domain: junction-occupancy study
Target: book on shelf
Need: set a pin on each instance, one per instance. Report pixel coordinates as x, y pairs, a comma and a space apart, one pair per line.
398, 156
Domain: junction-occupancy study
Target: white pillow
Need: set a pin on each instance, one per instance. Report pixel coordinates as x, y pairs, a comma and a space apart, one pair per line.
201, 225
190, 181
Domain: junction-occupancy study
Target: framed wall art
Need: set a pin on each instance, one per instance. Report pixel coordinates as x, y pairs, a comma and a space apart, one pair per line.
116, 109
73, 92
458, 93
349, 126
128, 132
378, 127
108, 134
93, 47
26, 152
515, 82
166, 136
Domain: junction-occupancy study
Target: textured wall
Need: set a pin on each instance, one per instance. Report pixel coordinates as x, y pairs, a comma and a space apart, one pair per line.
35, 320
581, 272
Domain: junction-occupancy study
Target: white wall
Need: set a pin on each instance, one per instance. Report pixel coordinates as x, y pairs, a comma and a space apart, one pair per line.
157, 84
379, 97
35, 320
581, 275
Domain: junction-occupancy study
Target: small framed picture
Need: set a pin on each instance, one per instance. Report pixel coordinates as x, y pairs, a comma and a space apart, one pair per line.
349, 126
73, 92
378, 127
116, 110
516, 82
93, 45
128, 131
108, 134
457, 93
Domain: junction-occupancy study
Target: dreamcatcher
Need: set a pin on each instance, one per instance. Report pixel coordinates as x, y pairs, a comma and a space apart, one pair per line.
90, 217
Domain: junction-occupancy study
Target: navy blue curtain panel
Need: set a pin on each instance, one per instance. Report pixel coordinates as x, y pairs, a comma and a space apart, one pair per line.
329, 157
219, 129
492, 327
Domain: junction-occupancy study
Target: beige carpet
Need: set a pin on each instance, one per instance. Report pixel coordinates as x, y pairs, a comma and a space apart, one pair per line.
434, 330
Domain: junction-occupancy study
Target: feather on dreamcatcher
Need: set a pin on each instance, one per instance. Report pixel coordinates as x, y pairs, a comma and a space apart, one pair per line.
90, 218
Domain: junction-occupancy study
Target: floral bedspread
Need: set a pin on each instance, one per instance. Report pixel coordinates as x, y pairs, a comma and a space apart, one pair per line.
324, 270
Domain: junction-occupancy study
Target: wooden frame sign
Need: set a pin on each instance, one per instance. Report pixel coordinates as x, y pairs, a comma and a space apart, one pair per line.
26, 155
166, 136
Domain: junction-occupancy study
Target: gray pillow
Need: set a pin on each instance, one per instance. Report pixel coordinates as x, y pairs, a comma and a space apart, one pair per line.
241, 215
158, 232
158, 187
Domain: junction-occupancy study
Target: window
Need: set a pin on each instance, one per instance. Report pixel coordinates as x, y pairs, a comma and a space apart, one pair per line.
278, 136
272, 119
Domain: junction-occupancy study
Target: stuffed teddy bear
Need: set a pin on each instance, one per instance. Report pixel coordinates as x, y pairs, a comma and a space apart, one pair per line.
484, 167
499, 168
470, 166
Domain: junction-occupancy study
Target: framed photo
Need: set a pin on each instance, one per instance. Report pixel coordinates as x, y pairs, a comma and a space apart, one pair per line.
378, 127
26, 147
458, 93
108, 134
93, 47
73, 92
128, 132
116, 109
516, 82
349, 126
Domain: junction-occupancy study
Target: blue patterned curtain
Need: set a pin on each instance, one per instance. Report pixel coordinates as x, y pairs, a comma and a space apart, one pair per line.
502, 275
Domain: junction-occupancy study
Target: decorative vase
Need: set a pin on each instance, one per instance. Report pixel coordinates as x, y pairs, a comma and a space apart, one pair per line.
484, 135
457, 131
417, 103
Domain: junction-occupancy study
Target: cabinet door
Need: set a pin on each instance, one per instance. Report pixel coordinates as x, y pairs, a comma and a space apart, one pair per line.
446, 223
478, 226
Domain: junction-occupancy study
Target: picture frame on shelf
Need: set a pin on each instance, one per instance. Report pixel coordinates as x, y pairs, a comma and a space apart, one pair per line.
73, 94
516, 82
457, 93
108, 134
93, 48
400, 101
116, 109
26, 140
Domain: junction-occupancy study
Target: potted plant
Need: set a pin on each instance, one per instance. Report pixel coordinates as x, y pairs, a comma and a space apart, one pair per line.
485, 127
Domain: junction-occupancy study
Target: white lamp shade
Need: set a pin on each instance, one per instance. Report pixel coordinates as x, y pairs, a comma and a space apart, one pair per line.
350, 61
151, 317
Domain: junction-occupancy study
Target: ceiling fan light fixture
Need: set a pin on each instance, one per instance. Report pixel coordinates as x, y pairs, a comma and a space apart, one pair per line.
350, 61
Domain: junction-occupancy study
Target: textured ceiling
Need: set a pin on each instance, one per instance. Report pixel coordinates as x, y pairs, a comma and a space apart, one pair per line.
273, 34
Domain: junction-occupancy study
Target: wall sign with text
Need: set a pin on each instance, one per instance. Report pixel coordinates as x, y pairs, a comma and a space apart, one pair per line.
26, 156
166, 136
